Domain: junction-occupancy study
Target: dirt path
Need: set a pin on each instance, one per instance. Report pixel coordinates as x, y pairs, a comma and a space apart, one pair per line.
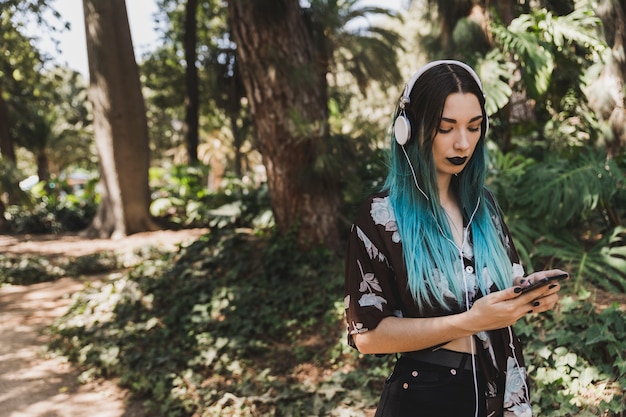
33, 383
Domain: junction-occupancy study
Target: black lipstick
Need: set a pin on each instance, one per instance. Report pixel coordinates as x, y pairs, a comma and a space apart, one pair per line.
457, 160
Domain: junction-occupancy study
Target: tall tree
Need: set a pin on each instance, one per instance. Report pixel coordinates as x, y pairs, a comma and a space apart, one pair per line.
119, 117
7, 147
288, 101
191, 81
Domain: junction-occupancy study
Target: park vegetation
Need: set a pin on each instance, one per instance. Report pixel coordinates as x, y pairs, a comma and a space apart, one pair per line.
266, 123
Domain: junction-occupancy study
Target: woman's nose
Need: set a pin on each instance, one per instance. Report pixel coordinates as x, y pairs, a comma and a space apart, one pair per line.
462, 141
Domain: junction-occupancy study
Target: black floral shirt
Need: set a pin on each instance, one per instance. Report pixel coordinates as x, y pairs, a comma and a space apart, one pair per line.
376, 286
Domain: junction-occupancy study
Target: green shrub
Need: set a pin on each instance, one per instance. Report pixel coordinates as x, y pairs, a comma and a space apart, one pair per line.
235, 313
576, 359
180, 198
22, 270
95, 263
19, 269
55, 209
242, 324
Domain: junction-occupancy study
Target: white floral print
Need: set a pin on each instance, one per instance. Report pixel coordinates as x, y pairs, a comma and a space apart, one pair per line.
371, 299
521, 410
368, 286
515, 395
375, 245
382, 213
442, 284
487, 278
372, 250
358, 328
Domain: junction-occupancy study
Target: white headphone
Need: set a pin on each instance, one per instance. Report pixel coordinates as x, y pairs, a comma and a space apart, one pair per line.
402, 125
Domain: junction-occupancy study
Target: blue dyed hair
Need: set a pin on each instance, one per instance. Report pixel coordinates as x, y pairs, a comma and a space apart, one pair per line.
426, 235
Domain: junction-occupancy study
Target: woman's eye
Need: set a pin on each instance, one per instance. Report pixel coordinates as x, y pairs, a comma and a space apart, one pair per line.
442, 130
474, 129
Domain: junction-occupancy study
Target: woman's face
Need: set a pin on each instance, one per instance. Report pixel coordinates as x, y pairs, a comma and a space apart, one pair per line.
458, 133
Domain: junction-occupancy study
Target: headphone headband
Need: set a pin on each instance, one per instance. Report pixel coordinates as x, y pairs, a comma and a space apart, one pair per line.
409, 85
402, 126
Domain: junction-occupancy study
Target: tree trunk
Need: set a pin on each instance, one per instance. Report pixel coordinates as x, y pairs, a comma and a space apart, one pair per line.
616, 38
7, 148
606, 92
191, 81
120, 126
232, 105
287, 96
505, 9
43, 166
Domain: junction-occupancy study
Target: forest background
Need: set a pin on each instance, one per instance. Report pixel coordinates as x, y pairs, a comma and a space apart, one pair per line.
267, 122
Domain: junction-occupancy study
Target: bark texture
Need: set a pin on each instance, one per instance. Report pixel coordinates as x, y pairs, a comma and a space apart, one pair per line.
120, 127
192, 101
7, 148
287, 93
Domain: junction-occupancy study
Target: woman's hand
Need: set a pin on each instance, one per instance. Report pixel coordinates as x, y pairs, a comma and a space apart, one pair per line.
504, 308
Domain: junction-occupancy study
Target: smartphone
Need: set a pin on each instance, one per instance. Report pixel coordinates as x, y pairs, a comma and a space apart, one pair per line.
544, 282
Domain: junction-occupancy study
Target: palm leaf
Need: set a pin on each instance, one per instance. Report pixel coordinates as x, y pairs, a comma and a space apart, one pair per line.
528, 49
603, 264
533, 40
496, 73
351, 42
580, 27
524, 238
506, 172
562, 189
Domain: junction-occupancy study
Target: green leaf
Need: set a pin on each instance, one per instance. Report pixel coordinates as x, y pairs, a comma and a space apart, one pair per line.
597, 334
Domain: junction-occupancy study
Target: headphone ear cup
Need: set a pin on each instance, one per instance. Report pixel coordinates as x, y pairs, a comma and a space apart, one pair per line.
402, 129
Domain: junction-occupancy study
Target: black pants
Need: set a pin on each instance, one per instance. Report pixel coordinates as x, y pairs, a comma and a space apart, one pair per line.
419, 389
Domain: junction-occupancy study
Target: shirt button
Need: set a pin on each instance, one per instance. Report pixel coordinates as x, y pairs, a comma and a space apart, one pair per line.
469, 269
453, 371
414, 373
405, 385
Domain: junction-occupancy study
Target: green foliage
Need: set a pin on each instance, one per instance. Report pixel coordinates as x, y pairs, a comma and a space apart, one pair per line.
541, 41
22, 270
227, 319
496, 74
181, 199
365, 51
55, 123
551, 55
9, 182
241, 325
19, 269
566, 211
97, 263
577, 187
576, 359
534, 53
603, 263
56, 208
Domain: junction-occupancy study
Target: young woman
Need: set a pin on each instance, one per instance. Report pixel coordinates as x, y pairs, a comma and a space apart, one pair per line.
431, 270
